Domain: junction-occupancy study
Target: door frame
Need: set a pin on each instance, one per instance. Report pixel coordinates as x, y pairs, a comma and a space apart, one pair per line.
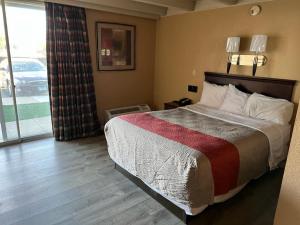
10, 70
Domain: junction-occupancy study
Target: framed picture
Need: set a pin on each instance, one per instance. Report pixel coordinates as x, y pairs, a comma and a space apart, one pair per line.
115, 46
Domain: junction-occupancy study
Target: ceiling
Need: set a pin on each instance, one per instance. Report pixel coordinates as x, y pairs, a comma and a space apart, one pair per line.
154, 9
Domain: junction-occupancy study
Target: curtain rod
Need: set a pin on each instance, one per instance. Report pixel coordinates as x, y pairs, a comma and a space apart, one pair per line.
41, 2
26, 3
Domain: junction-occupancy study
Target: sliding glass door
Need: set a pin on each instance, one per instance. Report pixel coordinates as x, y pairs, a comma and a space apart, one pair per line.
25, 99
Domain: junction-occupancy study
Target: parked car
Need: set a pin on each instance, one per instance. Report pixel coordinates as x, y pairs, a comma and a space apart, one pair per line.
30, 76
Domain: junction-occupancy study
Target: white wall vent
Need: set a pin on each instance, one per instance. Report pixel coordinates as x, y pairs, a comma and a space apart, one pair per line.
111, 113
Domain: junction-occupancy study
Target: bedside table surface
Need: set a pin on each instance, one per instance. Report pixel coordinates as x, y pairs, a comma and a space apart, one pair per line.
172, 105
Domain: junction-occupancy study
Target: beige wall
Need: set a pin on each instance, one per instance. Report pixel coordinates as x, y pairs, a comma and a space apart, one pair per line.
197, 41
288, 209
124, 88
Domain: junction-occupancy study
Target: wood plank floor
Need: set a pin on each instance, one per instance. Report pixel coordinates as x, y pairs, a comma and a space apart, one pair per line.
58, 183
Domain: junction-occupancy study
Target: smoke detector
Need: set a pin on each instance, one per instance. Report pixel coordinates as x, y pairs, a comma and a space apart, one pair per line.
255, 10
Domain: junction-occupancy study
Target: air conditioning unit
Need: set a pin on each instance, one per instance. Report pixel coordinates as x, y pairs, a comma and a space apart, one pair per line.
111, 113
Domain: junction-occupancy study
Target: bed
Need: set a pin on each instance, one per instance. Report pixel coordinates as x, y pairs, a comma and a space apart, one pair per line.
191, 157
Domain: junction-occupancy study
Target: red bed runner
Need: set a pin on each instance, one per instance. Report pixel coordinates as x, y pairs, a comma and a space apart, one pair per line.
223, 156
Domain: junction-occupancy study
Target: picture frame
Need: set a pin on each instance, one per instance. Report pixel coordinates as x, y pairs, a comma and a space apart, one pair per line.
115, 46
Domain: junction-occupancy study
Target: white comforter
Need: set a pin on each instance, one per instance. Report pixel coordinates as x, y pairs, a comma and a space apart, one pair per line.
278, 135
179, 172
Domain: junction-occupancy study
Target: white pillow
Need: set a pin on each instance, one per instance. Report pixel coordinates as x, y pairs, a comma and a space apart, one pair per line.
267, 108
234, 101
213, 95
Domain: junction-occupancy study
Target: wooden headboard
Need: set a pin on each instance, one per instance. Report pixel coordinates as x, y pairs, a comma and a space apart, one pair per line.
277, 88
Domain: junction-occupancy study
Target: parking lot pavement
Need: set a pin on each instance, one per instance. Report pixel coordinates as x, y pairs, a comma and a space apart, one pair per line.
26, 100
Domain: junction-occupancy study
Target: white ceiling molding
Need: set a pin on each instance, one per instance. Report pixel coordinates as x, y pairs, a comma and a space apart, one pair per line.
130, 5
188, 5
126, 7
151, 9
202, 5
215, 4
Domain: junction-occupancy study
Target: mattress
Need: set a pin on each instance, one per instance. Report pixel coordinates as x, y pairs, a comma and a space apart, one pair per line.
195, 156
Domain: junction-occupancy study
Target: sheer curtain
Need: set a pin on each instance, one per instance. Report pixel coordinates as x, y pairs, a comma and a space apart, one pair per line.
71, 85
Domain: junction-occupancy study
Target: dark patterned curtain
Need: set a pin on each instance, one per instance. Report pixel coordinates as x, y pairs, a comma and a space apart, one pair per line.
71, 85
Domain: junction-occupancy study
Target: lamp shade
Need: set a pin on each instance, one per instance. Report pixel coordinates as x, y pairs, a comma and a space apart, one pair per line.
233, 44
259, 43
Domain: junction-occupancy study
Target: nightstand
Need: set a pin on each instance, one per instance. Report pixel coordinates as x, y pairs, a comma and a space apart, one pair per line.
171, 105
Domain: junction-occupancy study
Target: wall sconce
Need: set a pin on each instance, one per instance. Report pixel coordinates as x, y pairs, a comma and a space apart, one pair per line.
233, 46
258, 45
